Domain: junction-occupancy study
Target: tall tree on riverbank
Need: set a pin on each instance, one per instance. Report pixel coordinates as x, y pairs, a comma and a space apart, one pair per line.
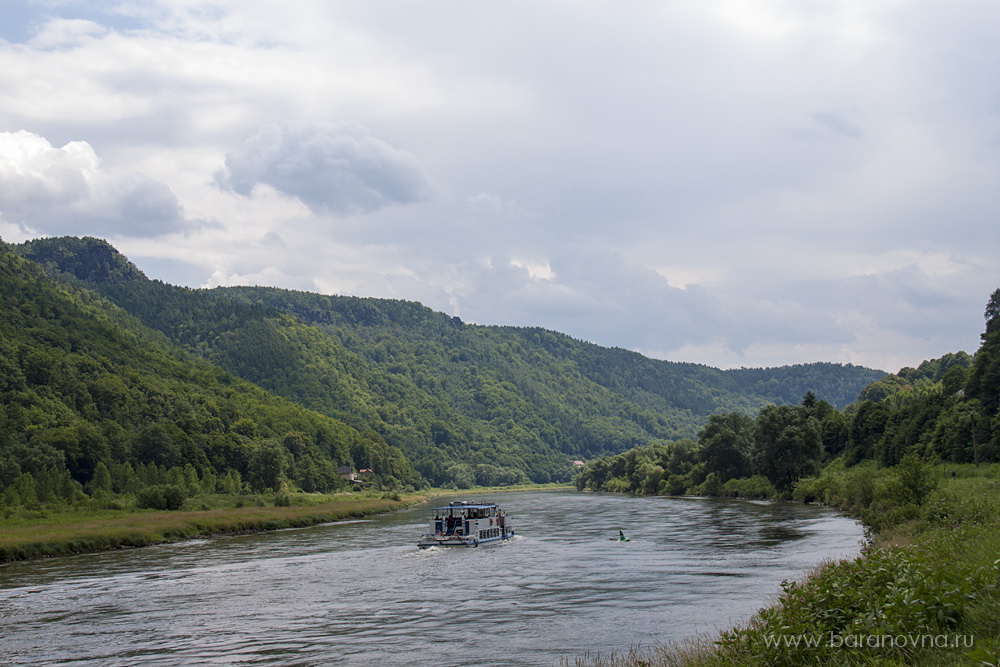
787, 444
727, 445
983, 384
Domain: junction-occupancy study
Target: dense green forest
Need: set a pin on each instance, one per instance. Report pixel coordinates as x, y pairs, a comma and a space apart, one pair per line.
944, 411
466, 403
166, 382
92, 401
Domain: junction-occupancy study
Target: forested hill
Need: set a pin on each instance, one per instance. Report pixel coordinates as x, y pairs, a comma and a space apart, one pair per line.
86, 390
466, 403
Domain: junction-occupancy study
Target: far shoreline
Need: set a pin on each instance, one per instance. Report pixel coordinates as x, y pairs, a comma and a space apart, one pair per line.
70, 530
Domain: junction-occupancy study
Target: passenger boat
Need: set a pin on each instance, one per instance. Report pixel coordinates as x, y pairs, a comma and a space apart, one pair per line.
465, 524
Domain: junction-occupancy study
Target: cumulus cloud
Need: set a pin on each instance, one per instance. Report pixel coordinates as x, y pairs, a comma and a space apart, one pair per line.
67, 191
820, 186
336, 167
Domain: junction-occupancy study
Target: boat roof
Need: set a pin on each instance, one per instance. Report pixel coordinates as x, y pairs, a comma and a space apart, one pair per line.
466, 506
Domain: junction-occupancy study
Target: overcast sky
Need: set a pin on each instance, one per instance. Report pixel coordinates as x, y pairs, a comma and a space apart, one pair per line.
729, 182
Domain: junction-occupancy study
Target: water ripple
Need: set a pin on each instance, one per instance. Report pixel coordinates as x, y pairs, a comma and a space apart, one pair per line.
360, 592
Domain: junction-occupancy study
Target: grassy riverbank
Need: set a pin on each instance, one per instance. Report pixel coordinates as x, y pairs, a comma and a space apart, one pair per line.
116, 523
925, 591
74, 529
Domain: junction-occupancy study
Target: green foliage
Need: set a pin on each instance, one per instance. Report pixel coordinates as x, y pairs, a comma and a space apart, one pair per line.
148, 386
726, 445
461, 476
787, 444
834, 383
712, 486
89, 396
160, 497
966, 502
758, 487
668, 469
267, 467
434, 388
992, 313
24, 491
915, 480
100, 483
902, 422
894, 593
84, 259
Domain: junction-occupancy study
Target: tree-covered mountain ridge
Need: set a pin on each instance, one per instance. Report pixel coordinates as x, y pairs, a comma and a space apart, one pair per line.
879, 458
466, 403
92, 399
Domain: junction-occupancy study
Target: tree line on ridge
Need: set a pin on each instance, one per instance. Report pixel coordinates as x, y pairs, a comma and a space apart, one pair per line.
943, 412
111, 380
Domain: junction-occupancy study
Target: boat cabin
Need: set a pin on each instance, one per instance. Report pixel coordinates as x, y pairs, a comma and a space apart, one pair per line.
463, 523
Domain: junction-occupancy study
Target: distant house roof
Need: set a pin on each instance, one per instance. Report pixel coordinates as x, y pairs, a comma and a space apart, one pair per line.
578, 463
345, 470
364, 470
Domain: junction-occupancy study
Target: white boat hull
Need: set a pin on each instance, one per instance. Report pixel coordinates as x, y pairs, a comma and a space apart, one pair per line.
452, 541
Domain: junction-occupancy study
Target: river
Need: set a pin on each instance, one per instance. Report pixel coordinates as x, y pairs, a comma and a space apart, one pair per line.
360, 592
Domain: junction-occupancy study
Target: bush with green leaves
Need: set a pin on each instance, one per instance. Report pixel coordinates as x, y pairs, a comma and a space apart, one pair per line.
160, 497
757, 487
902, 593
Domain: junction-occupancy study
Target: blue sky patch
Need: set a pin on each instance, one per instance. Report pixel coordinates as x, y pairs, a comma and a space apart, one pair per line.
20, 20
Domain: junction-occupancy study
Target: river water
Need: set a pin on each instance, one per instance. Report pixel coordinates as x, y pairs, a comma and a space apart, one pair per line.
361, 592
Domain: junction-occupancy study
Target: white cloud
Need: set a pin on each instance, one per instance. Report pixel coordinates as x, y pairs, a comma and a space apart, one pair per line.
337, 167
734, 183
537, 269
68, 191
